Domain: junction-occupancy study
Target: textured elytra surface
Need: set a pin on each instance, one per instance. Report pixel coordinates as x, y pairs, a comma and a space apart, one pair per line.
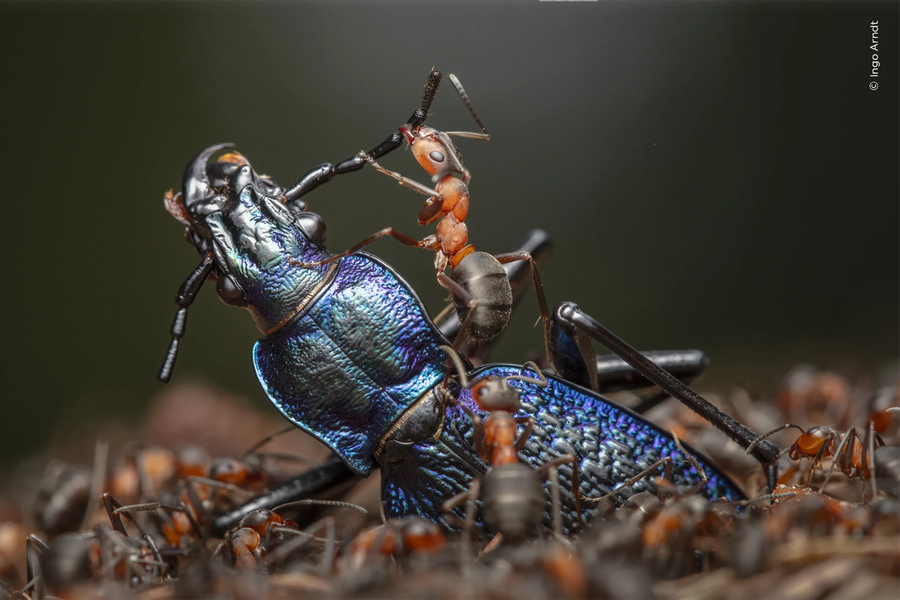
610, 443
354, 362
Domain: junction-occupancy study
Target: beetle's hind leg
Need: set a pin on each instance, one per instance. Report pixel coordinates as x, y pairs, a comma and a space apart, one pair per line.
572, 323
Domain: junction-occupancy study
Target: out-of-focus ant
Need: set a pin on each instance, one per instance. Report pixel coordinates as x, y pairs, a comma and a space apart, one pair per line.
512, 493
397, 537
852, 457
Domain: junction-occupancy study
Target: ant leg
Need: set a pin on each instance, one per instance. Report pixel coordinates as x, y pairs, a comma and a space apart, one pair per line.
569, 318
324, 172
699, 468
868, 457
469, 496
398, 235
34, 547
115, 520
478, 429
458, 291
648, 471
185, 297
555, 512
551, 465
528, 422
317, 481
817, 459
404, 181
154, 549
98, 480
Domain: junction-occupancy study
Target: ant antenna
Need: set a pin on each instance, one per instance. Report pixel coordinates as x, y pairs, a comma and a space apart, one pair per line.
465, 98
756, 442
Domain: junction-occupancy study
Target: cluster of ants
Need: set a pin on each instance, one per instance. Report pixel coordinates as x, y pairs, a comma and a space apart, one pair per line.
156, 536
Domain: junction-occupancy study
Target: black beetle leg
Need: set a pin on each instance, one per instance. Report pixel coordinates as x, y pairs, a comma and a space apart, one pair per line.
316, 482
324, 172
570, 320
614, 374
185, 297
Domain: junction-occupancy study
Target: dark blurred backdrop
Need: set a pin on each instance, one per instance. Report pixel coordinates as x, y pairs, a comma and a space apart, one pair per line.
716, 175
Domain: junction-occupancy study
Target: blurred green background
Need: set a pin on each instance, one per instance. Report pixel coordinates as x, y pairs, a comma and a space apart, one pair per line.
715, 175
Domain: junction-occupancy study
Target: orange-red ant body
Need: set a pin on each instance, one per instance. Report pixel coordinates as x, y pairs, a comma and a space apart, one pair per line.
513, 494
410, 535
852, 457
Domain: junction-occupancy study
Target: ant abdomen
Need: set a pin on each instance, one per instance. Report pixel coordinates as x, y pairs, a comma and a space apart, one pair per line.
513, 500
484, 278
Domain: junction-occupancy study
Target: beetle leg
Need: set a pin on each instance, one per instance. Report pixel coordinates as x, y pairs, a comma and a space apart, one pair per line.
324, 172
569, 318
315, 482
185, 297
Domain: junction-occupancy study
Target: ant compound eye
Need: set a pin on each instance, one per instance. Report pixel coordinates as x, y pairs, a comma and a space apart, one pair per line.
313, 227
436, 156
229, 291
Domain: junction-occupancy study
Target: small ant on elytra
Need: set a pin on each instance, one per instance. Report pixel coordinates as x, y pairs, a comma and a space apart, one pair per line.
512, 492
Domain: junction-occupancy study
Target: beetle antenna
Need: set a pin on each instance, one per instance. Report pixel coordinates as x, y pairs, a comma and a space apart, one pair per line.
185, 297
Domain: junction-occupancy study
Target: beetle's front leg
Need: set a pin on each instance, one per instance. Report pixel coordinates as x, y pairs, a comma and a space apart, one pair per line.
324, 172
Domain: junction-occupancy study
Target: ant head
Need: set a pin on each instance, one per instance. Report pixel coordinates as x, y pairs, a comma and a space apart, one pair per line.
228, 470
819, 432
436, 152
810, 442
495, 393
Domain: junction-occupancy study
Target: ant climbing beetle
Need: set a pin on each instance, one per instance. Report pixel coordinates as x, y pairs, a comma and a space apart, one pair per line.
479, 285
350, 355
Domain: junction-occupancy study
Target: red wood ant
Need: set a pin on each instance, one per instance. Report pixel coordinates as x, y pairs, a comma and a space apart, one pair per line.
397, 537
512, 494
480, 287
852, 457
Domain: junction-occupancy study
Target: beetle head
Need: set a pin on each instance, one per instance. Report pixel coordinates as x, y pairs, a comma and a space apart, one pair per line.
255, 239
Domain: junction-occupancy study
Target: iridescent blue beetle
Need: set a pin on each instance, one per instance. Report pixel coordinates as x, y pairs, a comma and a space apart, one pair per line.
350, 355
